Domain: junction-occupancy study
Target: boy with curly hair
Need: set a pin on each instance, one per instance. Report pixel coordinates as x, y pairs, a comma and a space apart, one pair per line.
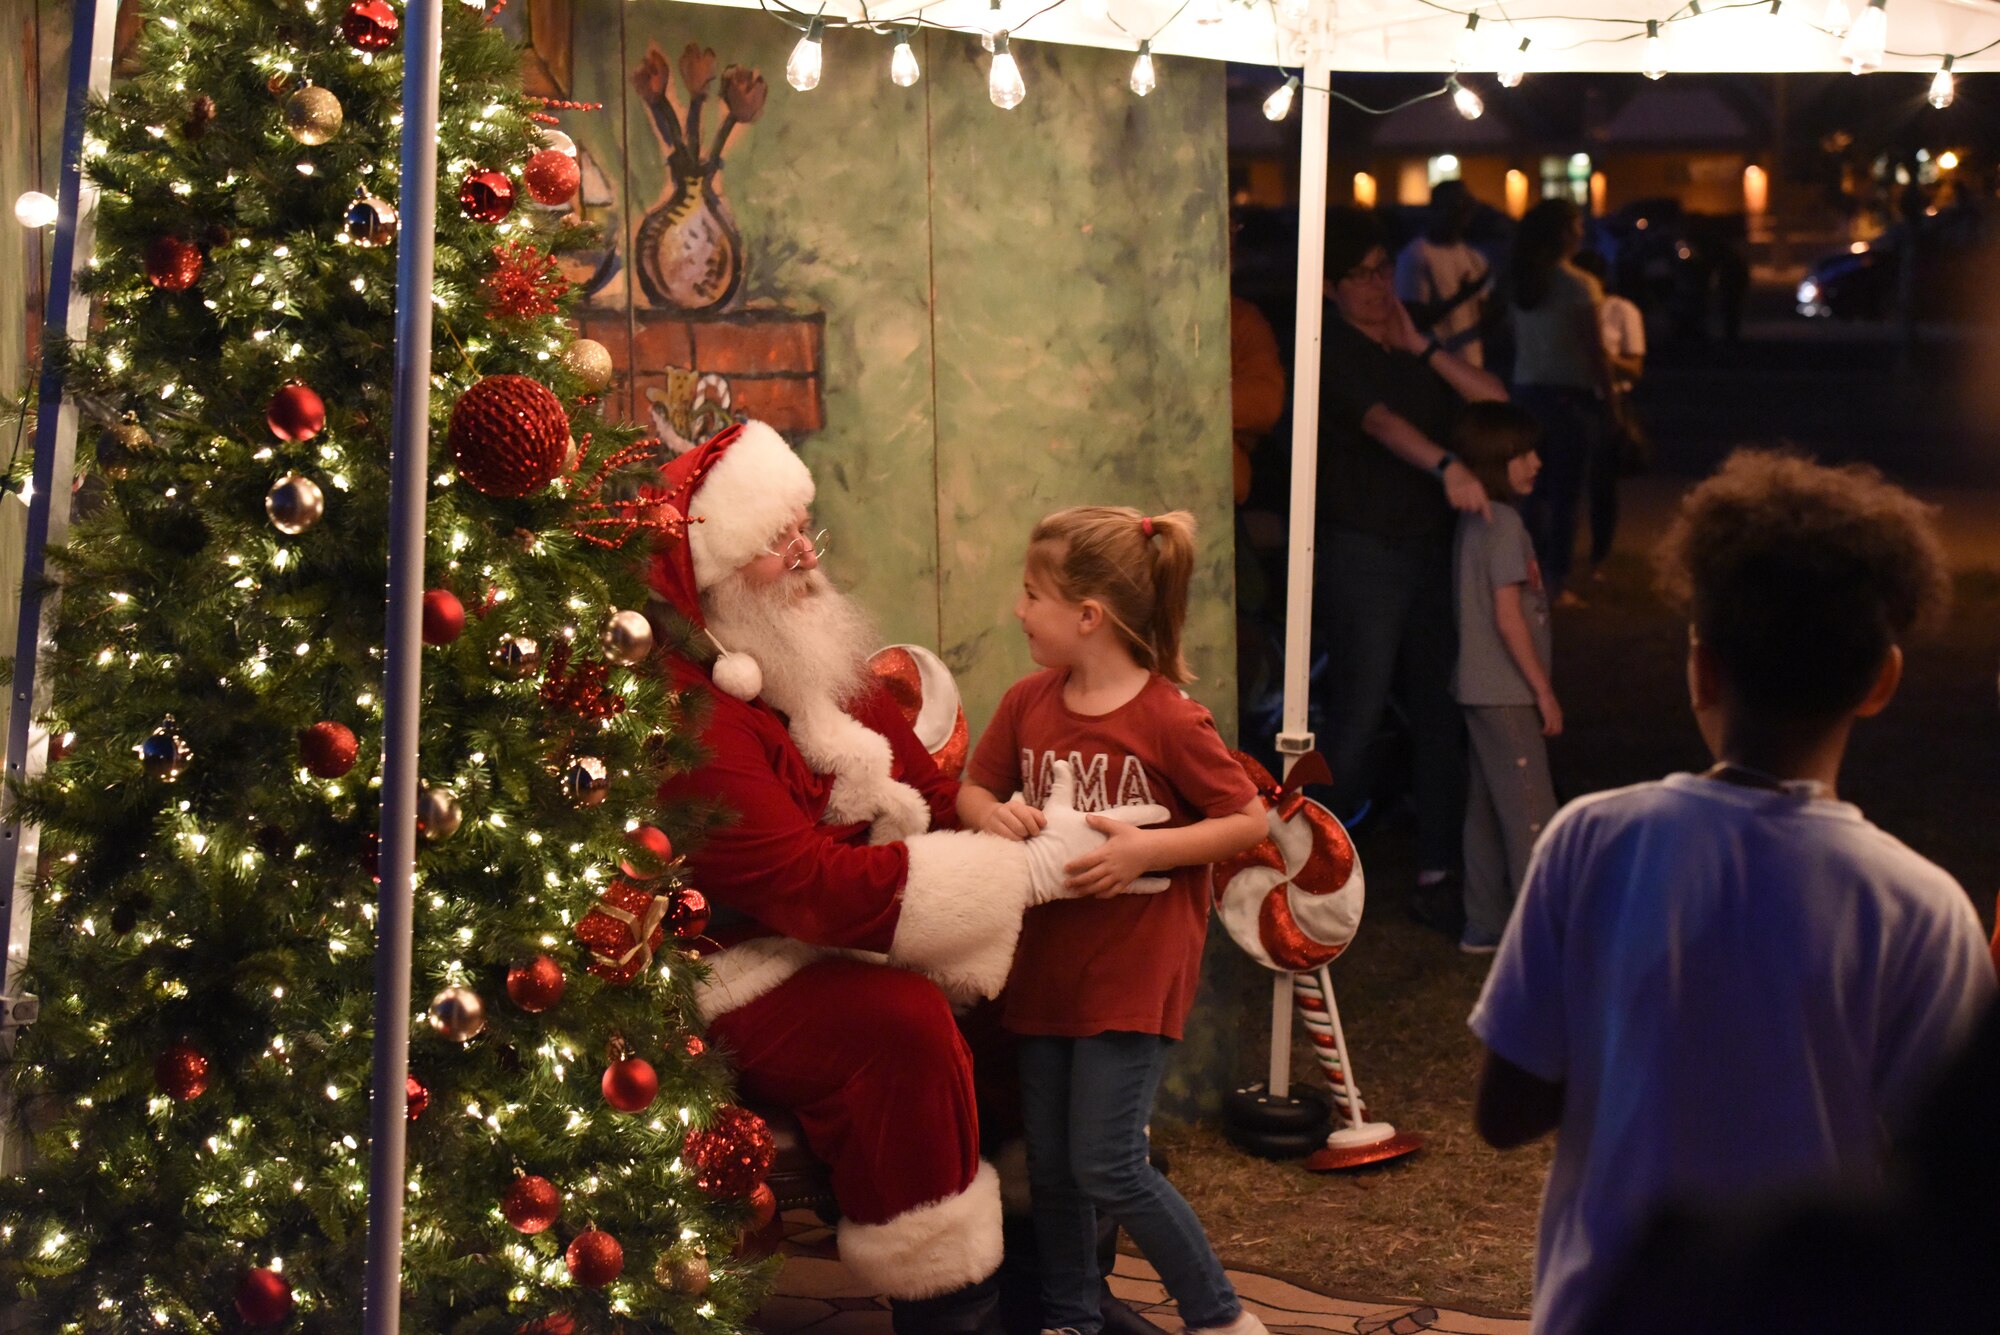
1723, 984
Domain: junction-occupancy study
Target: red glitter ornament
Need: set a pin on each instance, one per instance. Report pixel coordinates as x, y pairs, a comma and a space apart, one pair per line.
486, 196
416, 1098
524, 283
173, 265
370, 25
595, 1259
693, 1045
328, 749
763, 1206
731, 1157
509, 436
631, 1084
552, 177
687, 913
181, 1073
444, 616
648, 853
582, 691
536, 985
295, 413
263, 1298
531, 1204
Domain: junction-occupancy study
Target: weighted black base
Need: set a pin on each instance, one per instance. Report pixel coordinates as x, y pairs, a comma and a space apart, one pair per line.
1276, 1128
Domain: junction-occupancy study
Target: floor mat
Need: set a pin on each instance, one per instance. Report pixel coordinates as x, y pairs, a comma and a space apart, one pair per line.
816, 1294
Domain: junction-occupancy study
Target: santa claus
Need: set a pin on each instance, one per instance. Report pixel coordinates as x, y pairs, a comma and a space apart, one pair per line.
861, 914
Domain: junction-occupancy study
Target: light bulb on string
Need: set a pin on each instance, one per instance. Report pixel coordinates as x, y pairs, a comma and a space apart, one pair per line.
1656, 51
34, 210
1515, 67
803, 69
1836, 19
1468, 43
1866, 40
993, 24
903, 69
1944, 88
1468, 102
1143, 81
1279, 104
1003, 79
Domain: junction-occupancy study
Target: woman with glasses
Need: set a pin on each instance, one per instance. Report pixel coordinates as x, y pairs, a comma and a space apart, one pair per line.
1389, 493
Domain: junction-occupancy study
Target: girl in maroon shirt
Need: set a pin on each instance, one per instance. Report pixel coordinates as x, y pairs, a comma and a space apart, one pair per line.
1102, 983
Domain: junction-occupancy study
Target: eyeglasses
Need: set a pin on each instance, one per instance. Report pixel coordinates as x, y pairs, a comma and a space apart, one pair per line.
798, 547
1370, 273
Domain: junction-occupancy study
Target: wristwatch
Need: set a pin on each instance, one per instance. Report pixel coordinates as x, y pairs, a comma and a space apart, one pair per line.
1445, 460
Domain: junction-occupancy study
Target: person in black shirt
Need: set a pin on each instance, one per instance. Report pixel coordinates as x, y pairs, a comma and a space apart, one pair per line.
1388, 493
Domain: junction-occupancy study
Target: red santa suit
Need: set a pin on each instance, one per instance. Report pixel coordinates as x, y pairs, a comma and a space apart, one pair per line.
866, 915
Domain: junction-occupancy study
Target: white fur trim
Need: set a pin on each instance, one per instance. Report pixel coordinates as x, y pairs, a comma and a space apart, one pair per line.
835, 742
753, 491
962, 907
929, 1249
738, 675
741, 974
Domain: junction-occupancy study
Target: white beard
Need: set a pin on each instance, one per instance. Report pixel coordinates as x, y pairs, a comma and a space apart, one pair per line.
812, 642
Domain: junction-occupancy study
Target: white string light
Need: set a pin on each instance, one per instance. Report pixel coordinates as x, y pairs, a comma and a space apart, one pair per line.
1866, 40
803, 69
1468, 43
1655, 55
1279, 104
1944, 88
1837, 18
1003, 79
903, 69
35, 210
1469, 103
1143, 81
1515, 67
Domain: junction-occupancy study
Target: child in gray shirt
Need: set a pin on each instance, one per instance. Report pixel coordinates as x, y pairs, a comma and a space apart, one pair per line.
1502, 678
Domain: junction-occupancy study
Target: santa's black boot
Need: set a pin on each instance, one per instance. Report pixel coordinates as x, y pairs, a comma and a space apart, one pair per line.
972, 1310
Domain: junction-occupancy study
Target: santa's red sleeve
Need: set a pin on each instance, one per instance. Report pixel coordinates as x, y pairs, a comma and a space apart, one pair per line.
947, 904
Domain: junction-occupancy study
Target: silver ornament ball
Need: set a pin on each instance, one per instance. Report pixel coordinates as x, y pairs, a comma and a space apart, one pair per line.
627, 638
438, 813
458, 1014
294, 503
516, 657
557, 140
371, 221
585, 781
165, 754
589, 361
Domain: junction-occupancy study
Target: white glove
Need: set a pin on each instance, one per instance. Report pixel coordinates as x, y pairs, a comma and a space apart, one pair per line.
1069, 836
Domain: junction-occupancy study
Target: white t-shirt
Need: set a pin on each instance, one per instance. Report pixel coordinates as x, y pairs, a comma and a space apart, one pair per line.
1427, 272
1738, 989
1624, 330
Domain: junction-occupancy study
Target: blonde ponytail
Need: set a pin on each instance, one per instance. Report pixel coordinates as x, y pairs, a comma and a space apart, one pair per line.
1137, 567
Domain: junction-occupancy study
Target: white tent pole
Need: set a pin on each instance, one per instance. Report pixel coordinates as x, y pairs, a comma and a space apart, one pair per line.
1294, 739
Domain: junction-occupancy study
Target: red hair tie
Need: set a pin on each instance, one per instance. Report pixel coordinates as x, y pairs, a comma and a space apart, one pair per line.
1146, 525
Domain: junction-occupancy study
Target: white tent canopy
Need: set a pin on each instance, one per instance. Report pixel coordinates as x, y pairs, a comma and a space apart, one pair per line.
1418, 35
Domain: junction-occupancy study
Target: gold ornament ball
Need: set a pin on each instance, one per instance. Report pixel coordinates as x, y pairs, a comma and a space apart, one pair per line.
458, 1014
120, 445
312, 115
294, 503
627, 638
589, 361
585, 781
438, 813
516, 657
684, 1270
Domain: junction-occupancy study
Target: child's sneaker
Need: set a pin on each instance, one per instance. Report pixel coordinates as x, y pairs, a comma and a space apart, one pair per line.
1247, 1322
1472, 943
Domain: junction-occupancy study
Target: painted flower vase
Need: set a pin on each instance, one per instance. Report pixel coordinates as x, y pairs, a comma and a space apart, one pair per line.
690, 255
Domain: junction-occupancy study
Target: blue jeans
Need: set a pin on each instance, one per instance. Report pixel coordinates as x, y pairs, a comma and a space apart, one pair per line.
1084, 1106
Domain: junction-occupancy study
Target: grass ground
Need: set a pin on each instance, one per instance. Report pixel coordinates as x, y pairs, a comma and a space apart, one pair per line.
1456, 1223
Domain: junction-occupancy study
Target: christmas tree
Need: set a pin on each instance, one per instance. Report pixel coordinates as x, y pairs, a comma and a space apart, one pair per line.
197, 1084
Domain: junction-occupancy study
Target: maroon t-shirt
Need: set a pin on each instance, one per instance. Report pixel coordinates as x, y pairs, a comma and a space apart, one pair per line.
1089, 966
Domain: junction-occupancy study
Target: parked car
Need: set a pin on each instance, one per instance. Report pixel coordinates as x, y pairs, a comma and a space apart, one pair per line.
1957, 266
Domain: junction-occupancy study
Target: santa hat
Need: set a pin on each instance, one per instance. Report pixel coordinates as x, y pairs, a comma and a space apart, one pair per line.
738, 490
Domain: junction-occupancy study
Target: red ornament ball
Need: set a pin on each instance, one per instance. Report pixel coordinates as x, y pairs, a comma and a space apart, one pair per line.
416, 1098
536, 985
647, 853
173, 265
556, 1323
687, 913
763, 1206
486, 196
181, 1073
370, 25
328, 749
531, 1204
551, 177
509, 436
731, 1157
444, 616
295, 413
693, 1045
263, 1298
631, 1084
595, 1259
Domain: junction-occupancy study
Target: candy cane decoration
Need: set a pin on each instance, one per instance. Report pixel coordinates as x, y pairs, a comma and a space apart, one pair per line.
1313, 995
